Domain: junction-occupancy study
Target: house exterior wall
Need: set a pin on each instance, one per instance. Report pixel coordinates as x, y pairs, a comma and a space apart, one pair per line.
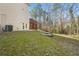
14, 14
33, 24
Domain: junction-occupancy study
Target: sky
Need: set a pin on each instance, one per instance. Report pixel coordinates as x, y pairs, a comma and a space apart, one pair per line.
44, 5
47, 5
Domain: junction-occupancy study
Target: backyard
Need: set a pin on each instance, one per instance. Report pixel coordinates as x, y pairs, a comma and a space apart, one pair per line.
34, 43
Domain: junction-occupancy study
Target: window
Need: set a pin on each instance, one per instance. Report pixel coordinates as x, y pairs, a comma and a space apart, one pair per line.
23, 25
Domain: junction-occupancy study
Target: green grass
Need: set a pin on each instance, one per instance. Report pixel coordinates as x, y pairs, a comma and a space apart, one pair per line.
30, 43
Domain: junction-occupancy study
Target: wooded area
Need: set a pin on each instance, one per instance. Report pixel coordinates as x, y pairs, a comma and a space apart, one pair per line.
58, 18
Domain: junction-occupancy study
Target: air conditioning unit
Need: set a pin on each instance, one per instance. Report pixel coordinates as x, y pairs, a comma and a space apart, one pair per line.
8, 28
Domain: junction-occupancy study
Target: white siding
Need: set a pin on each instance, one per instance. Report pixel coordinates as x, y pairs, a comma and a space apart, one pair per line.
0, 23
15, 15
22, 17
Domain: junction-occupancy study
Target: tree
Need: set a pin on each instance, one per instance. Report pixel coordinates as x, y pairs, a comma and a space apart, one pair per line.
34, 13
54, 9
44, 14
72, 19
58, 15
76, 10
37, 14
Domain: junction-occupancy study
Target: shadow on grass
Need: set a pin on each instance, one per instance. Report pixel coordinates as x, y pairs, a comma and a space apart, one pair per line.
65, 39
71, 44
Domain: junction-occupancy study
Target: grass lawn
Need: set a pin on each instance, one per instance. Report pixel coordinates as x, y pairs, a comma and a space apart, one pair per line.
30, 43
